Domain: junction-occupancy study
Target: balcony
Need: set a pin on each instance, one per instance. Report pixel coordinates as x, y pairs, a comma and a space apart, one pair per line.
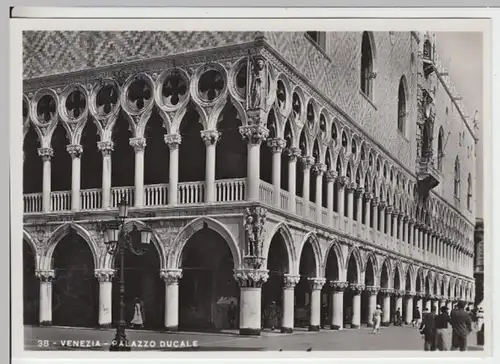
233, 191
428, 176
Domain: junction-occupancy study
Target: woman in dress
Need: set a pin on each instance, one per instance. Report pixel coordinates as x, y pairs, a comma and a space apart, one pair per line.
138, 319
377, 318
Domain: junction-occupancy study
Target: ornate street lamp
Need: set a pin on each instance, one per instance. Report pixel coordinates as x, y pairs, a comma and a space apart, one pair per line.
117, 241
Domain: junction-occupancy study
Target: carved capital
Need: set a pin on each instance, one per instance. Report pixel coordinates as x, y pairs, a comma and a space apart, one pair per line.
386, 291
350, 186
356, 288
254, 134
104, 275
342, 181
319, 168
316, 283
45, 275
138, 144
359, 191
74, 150
210, 137
375, 201
372, 290
410, 294
171, 276
368, 196
276, 145
293, 153
106, 147
291, 281
307, 162
398, 293
338, 286
172, 140
251, 278
46, 153
382, 204
331, 176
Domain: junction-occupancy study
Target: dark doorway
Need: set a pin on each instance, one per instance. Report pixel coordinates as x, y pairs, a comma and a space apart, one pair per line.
31, 287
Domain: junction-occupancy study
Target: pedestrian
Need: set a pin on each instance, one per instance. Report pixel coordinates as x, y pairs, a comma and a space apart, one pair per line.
397, 318
324, 314
428, 329
376, 319
442, 321
231, 315
272, 316
462, 326
138, 319
416, 318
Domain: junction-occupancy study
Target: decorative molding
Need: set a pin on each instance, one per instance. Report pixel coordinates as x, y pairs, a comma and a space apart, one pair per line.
45, 275
254, 134
171, 276
251, 278
209, 137
74, 150
138, 143
316, 283
339, 286
291, 281
104, 275
277, 145
173, 141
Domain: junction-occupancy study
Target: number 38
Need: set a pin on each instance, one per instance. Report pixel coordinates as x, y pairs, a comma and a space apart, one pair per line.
43, 343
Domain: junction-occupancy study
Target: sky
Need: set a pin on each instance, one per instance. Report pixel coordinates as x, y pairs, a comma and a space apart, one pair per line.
462, 54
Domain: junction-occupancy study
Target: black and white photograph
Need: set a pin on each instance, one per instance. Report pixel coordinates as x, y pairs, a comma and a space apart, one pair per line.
273, 191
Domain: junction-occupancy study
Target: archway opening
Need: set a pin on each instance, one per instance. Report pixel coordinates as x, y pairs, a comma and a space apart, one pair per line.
31, 286
285, 157
91, 164
157, 153
395, 298
384, 283
207, 287
122, 167
61, 161
192, 148
277, 264
307, 269
365, 296
75, 289
231, 161
300, 166
33, 164
352, 278
419, 289
266, 155
332, 273
142, 281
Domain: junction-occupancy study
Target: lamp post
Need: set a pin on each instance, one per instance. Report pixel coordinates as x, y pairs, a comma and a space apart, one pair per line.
117, 241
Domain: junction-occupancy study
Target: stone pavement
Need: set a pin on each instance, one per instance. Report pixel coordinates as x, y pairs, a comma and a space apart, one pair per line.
391, 338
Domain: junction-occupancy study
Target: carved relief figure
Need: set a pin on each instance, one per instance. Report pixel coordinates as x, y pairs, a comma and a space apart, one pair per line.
257, 83
254, 225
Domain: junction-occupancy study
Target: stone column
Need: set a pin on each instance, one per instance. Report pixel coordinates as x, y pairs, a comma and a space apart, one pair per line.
410, 232
395, 215
293, 154
420, 305
210, 137
449, 304
368, 197
319, 169
435, 304
386, 306
375, 206
46, 154
287, 321
356, 304
316, 285
173, 142
428, 303
276, 145
359, 204
341, 184
171, 278
399, 300
250, 282
389, 211
337, 315
409, 307
330, 179
404, 237
105, 278
372, 303
75, 151
307, 163
45, 313
350, 200
254, 134
382, 216
139, 144
106, 148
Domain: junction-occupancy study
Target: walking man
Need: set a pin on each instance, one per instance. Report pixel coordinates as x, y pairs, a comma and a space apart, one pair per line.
428, 329
442, 328
376, 318
462, 326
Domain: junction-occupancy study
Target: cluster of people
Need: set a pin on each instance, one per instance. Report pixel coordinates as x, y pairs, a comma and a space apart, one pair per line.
433, 328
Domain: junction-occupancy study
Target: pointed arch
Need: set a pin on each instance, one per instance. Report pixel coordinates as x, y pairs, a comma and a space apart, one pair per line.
31, 243
282, 229
372, 258
313, 240
358, 260
59, 233
335, 248
175, 253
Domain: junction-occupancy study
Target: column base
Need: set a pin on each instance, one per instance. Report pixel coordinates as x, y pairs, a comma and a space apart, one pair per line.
353, 326
385, 324
171, 328
335, 327
45, 323
250, 332
313, 327
286, 330
106, 326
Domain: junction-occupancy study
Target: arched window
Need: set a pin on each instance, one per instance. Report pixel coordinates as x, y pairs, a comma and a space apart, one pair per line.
457, 179
367, 74
440, 153
469, 192
402, 106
